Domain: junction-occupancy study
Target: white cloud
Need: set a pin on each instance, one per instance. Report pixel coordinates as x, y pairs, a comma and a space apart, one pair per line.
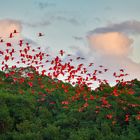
128, 27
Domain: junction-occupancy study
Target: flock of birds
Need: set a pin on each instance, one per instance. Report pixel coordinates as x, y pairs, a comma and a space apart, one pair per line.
23, 55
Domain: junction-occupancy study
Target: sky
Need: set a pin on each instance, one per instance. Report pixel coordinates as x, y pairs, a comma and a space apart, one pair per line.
103, 31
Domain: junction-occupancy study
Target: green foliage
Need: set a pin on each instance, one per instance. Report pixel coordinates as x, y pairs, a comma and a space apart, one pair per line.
41, 116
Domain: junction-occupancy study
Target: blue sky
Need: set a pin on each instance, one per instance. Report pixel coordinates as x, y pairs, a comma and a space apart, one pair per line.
86, 15
67, 23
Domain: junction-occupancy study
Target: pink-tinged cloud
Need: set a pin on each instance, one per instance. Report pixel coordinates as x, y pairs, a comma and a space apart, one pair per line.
113, 50
111, 43
7, 26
